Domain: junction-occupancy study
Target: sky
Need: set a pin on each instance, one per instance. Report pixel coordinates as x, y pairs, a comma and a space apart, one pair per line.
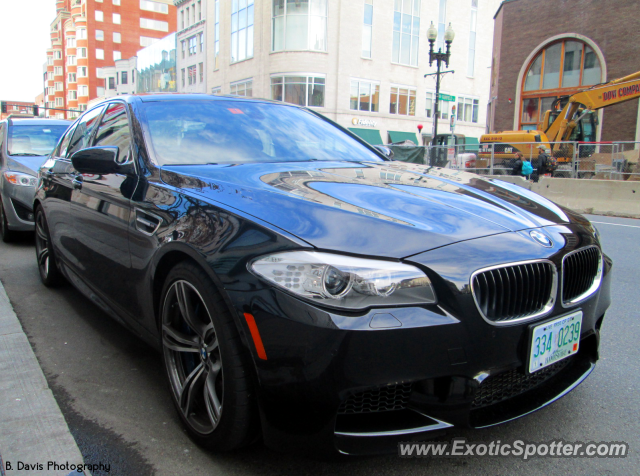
24, 39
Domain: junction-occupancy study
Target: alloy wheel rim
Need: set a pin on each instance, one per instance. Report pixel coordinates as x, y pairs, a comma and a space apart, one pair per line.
42, 245
193, 357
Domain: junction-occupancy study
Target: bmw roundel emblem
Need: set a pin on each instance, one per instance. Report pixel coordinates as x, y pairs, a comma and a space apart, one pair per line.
541, 238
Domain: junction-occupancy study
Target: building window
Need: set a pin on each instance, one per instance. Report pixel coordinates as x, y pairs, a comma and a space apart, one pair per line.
57, 54
403, 101
81, 33
73, 95
71, 78
182, 77
184, 48
123, 77
111, 82
472, 39
117, 56
59, 102
201, 71
216, 36
443, 107
406, 32
193, 45
82, 71
58, 86
242, 88
365, 96
99, 15
133, 76
99, 54
71, 60
241, 30
82, 52
116, 18
468, 109
367, 29
50, 60
71, 42
191, 70
83, 90
301, 90
182, 18
154, 6
57, 70
299, 25
188, 17
147, 41
201, 42
117, 37
99, 35
216, 90
560, 69
115, 2
154, 24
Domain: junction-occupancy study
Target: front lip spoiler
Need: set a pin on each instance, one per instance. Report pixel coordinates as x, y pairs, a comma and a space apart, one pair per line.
548, 402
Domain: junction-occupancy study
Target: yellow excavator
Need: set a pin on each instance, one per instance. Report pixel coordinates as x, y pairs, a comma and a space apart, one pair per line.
571, 119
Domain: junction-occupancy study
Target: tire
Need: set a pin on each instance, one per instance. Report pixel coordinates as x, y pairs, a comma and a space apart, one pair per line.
208, 369
7, 235
50, 275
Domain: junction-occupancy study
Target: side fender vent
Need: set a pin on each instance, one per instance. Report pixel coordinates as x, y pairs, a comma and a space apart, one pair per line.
147, 223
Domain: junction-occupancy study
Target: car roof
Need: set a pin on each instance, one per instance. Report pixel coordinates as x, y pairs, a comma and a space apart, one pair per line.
27, 121
144, 97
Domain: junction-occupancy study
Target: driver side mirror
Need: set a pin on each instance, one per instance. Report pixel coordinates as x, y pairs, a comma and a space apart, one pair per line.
100, 161
386, 151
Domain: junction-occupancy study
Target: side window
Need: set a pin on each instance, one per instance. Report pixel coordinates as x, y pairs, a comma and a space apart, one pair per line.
61, 150
83, 130
114, 131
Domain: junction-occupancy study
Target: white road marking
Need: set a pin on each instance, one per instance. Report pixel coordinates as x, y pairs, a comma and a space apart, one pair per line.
614, 224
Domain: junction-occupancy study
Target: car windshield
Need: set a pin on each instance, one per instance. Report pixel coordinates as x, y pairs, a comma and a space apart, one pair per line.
221, 131
33, 140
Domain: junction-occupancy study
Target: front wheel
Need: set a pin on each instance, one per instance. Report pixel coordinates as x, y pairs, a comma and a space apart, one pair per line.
50, 275
207, 367
6, 234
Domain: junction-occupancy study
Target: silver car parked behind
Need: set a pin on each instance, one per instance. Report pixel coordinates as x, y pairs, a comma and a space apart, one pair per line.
25, 144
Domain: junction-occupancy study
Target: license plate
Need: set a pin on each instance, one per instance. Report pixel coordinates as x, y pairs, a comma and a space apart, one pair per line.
555, 340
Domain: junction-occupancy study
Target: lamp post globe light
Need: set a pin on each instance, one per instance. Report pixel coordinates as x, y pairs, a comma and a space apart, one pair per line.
439, 57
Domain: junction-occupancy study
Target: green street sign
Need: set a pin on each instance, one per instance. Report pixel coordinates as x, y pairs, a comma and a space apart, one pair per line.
446, 97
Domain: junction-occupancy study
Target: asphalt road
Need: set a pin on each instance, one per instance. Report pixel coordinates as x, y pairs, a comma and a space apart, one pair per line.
112, 390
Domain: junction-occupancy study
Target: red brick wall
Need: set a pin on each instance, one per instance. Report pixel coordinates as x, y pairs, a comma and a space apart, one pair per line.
614, 25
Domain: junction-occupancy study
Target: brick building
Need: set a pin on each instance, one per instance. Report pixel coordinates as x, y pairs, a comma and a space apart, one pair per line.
544, 49
88, 35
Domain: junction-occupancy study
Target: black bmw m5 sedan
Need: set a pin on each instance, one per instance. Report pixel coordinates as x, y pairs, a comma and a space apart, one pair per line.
303, 288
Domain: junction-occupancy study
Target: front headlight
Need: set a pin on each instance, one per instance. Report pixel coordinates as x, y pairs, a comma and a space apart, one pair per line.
16, 178
344, 281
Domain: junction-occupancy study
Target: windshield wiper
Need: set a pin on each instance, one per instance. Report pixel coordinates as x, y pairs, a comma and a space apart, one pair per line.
25, 154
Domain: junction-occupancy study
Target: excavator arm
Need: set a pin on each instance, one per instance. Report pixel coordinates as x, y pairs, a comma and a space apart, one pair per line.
602, 95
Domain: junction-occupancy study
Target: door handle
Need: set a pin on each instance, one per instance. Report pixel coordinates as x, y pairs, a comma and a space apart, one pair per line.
77, 182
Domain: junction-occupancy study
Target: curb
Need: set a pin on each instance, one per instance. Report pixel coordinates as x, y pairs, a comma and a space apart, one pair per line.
32, 428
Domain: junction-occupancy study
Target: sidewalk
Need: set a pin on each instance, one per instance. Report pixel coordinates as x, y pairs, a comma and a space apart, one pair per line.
32, 429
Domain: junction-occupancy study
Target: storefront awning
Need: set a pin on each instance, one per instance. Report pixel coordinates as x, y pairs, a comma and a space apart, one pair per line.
372, 136
398, 136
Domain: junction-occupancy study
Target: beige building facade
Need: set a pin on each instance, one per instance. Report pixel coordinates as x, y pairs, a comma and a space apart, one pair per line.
359, 62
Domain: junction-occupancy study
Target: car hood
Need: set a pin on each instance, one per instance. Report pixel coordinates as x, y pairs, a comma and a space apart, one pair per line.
389, 209
26, 164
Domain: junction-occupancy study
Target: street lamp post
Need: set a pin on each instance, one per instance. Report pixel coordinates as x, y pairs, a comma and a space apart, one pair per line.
439, 57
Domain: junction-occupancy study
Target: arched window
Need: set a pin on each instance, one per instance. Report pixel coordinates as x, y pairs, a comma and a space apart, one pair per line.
560, 69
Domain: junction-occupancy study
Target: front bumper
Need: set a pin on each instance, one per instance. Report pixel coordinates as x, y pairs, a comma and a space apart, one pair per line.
414, 372
17, 201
